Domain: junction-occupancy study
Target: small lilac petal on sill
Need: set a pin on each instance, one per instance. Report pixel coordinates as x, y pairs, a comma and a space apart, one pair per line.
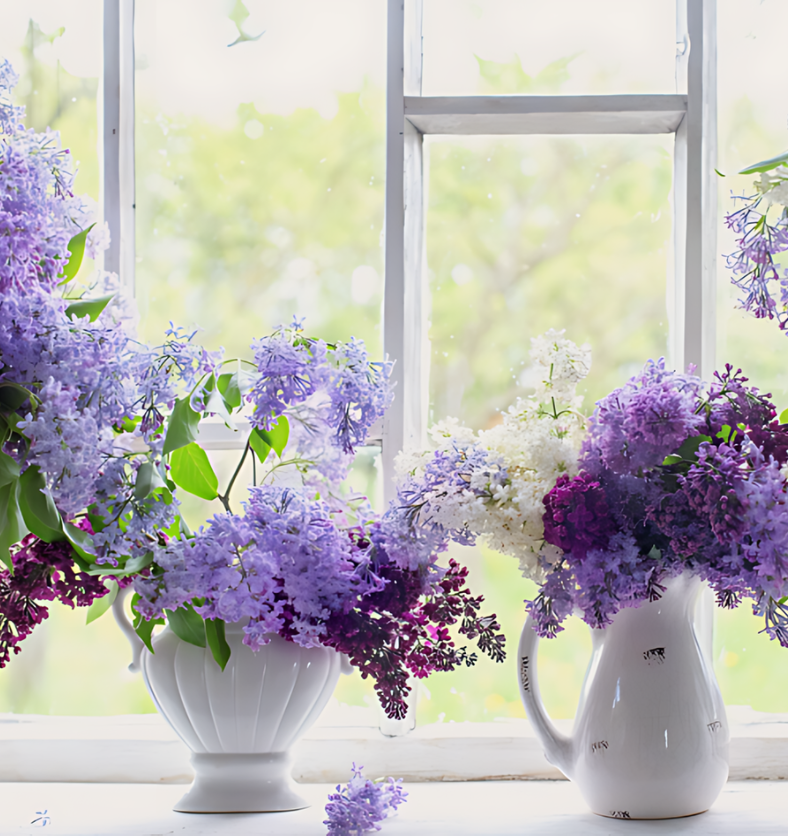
359, 806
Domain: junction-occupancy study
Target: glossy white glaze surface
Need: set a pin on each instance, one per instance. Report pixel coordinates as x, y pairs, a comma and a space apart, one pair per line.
650, 738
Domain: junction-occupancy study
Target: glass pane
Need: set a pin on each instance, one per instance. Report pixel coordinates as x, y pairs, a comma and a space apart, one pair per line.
260, 168
526, 234
55, 48
752, 121
567, 46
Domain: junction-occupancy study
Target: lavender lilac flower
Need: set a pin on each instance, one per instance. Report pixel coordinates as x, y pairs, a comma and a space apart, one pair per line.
346, 392
753, 266
362, 804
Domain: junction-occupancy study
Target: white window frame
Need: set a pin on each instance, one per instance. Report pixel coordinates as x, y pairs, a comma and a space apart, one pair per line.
143, 748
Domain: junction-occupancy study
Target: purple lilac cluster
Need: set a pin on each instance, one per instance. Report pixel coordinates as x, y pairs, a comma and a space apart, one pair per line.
38, 211
360, 805
294, 567
332, 393
636, 426
755, 271
710, 499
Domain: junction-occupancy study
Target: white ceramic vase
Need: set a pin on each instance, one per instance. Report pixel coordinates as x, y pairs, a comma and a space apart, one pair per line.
241, 722
650, 738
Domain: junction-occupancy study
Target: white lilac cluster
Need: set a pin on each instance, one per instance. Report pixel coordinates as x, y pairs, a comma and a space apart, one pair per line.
490, 484
773, 185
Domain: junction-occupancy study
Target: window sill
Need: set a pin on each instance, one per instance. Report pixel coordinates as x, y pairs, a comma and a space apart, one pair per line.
143, 749
546, 808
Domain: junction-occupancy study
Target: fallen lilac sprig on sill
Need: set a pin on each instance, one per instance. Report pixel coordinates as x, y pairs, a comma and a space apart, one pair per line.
358, 807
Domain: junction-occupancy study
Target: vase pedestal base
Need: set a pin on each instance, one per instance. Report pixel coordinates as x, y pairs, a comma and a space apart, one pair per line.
241, 784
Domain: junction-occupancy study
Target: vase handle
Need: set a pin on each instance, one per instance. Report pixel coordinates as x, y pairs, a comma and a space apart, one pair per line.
558, 747
119, 611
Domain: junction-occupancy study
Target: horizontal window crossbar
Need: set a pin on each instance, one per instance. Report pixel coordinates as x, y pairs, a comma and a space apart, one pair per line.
483, 115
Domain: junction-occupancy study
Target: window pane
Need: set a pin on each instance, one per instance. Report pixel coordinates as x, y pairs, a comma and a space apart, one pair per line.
752, 121
55, 48
260, 168
567, 46
526, 234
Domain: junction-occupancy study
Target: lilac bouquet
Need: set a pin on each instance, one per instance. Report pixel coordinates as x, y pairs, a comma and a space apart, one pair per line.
674, 477
304, 560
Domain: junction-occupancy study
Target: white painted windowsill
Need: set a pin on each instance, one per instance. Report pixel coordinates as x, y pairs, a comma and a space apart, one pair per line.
143, 749
492, 808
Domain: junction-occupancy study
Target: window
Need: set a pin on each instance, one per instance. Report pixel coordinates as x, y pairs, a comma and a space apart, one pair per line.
225, 189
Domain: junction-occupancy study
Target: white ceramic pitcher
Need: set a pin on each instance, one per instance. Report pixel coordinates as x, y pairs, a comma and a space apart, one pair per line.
650, 738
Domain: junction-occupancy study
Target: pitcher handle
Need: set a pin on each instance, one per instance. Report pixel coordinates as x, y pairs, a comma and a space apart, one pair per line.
137, 645
558, 747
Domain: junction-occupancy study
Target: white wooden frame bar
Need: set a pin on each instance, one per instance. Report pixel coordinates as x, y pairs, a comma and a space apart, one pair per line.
118, 139
474, 115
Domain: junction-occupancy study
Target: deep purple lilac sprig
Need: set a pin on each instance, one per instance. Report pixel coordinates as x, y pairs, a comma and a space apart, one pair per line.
577, 517
42, 572
360, 806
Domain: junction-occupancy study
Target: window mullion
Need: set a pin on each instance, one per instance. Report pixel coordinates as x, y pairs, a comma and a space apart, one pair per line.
118, 139
693, 323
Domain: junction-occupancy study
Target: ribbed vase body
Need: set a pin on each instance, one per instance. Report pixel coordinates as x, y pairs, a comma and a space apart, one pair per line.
241, 722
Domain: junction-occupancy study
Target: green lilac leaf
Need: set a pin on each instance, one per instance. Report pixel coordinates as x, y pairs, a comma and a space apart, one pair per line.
260, 447
182, 427
101, 605
191, 470
12, 395
12, 523
227, 384
76, 249
81, 541
783, 419
187, 625
766, 165
672, 459
214, 633
89, 307
689, 449
219, 406
143, 627
276, 438
148, 479
9, 469
38, 508
725, 433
